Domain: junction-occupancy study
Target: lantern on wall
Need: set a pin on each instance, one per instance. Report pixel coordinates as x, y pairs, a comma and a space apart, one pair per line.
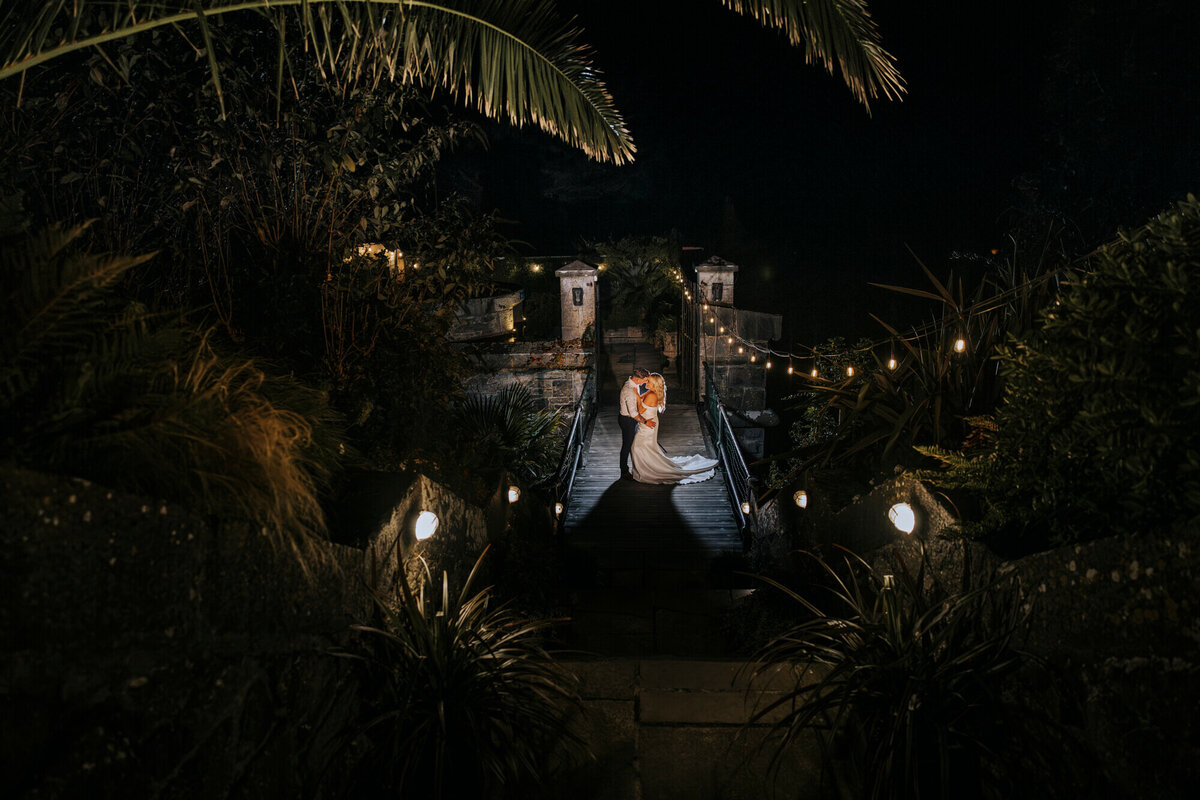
425, 526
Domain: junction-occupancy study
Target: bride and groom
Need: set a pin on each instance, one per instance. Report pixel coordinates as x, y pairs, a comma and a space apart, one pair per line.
643, 398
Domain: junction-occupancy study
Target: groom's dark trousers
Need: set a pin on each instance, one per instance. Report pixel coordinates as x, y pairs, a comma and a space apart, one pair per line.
629, 427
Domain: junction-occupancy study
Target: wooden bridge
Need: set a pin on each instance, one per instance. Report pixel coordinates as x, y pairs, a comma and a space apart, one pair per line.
652, 570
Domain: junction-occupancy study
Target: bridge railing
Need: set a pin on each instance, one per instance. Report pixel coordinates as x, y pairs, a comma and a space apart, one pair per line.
572, 453
737, 474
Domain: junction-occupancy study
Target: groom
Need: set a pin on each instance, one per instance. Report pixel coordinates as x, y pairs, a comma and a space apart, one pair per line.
628, 416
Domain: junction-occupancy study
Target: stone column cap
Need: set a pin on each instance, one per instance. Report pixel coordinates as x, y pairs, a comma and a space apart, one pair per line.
575, 268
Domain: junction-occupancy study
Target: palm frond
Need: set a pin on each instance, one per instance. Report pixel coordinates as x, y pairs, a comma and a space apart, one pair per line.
840, 35
514, 61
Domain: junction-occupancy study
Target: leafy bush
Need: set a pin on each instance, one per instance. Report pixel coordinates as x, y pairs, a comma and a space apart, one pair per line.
462, 700
508, 431
91, 385
905, 682
1099, 428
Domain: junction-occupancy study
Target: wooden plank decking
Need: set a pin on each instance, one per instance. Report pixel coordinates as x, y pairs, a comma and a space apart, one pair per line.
651, 569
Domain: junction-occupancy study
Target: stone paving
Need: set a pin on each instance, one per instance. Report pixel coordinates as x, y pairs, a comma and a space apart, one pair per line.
677, 728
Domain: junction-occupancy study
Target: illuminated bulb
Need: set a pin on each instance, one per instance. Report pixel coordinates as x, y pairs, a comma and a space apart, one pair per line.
814, 372
712, 320
790, 369
729, 339
753, 358
902, 517
891, 363
514, 494
745, 508
721, 330
800, 498
705, 308
558, 509
427, 523
850, 371
741, 349
960, 345
768, 365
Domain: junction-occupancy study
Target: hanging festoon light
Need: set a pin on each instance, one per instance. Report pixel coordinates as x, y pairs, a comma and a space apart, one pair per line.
892, 362
814, 372
721, 329
753, 357
514, 494
849, 370
791, 369
960, 344
728, 339
768, 364
903, 517
800, 498
741, 349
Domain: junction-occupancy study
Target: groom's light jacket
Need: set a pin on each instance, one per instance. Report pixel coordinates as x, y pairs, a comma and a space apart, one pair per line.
629, 398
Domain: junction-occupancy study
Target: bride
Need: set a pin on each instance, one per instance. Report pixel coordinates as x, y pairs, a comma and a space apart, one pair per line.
650, 463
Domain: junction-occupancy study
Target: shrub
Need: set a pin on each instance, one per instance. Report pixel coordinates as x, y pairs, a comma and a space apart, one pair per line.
462, 700
1099, 427
905, 683
93, 386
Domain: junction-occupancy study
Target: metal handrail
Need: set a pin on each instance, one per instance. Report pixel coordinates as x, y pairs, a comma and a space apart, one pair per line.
737, 474
572, 452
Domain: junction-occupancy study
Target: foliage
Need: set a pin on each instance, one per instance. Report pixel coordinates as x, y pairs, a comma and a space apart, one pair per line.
93, 386
905, 682
513, 61
638, 284
508, 432
920, 390
462, 698
1099, 427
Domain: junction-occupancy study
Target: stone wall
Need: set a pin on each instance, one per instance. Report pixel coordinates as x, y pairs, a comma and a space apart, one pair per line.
555, 373
150, 652
486, 317
1117, 619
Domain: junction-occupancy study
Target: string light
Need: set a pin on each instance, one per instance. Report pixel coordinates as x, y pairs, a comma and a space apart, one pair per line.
768, 365
814, 372
849, 370
721, 329
728, 340
791, 369
753, 357
892, 362
741, 349
960, 345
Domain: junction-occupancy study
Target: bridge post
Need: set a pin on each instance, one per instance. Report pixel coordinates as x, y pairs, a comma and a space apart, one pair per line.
577, 293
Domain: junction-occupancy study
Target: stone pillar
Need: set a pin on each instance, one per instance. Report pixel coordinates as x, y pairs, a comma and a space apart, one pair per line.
716, 281
577, 290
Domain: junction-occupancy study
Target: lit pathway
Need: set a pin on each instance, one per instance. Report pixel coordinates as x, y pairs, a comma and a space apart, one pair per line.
650, 568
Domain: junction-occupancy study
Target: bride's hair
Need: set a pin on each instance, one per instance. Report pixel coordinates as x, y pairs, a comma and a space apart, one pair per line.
659, 386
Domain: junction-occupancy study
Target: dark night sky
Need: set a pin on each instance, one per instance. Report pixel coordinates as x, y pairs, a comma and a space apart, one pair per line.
745, 150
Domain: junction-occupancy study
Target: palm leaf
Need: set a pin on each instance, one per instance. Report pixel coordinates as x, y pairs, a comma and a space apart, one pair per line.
837, 34
514, 61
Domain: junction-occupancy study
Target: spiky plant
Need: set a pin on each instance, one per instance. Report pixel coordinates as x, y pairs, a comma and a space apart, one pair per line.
508, 431
92, 386
905, 684
461, 699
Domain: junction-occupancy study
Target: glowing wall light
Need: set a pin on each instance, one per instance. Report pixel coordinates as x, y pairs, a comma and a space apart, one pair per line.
800, 498
426, 525
514, 494
558, 509
745, 508
903, 517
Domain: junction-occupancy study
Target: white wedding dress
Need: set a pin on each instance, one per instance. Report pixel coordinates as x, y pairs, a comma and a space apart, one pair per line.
651, 465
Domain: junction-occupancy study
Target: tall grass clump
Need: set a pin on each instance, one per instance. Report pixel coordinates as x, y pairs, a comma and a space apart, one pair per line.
908, 687
461, 698
99, 387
